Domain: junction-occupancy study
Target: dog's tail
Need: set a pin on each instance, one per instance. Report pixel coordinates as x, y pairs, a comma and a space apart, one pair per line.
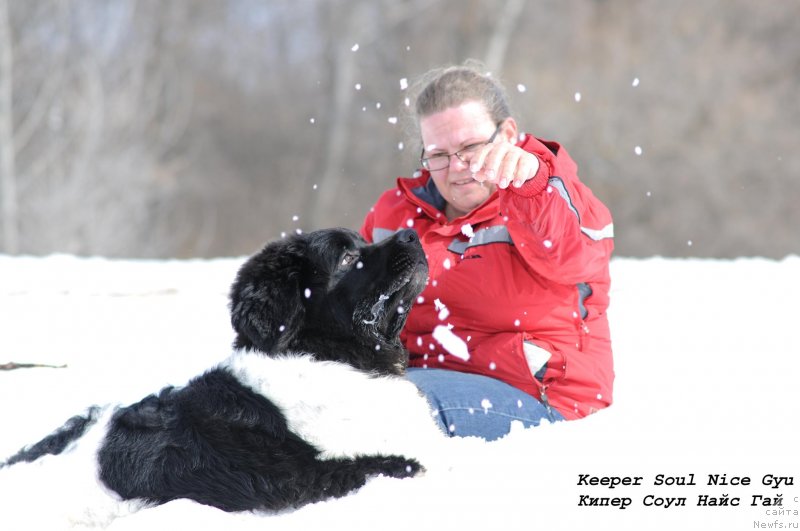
56, 442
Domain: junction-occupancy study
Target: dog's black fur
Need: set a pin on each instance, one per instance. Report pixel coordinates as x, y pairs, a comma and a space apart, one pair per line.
216, 441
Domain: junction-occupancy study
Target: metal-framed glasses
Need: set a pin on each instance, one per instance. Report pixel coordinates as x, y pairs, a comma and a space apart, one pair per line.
441, 161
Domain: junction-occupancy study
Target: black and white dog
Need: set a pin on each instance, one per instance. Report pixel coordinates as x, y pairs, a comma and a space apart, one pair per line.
310, 404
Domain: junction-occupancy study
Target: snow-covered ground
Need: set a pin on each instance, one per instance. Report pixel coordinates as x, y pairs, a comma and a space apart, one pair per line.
707, 357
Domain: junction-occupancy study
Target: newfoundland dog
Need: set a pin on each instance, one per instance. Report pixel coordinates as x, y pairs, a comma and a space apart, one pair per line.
310, 404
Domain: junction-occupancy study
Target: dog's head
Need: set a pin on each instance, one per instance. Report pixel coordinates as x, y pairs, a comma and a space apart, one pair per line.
330, 294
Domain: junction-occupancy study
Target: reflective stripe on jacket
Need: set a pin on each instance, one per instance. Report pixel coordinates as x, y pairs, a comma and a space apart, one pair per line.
522, 280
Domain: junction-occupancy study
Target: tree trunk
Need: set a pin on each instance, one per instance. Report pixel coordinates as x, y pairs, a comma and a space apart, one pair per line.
8, 178
501, 36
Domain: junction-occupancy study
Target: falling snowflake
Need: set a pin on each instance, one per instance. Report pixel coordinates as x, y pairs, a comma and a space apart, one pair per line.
453, 344
392, 120
638, 150
355, 47
635, 82
359, 264
403, 84
307, 293
521, 87
446, 263
442, 309
486, 405
466, 230
577, 96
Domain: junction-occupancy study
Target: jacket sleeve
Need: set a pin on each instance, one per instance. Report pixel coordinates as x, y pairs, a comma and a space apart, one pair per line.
561, 230
368, 225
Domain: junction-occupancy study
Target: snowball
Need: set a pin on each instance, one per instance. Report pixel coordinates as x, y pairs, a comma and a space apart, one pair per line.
453, 344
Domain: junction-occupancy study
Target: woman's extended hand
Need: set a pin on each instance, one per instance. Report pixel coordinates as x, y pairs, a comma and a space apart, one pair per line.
503, 163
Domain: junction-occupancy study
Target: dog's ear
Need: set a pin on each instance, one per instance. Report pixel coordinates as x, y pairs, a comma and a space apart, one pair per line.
265, 300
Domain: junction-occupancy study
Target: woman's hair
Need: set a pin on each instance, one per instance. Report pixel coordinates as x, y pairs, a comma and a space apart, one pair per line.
449, 86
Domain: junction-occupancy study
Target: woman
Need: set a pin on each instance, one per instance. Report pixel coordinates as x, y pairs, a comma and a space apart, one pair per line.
512, 325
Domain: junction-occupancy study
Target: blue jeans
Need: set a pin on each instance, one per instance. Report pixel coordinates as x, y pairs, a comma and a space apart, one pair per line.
475, 405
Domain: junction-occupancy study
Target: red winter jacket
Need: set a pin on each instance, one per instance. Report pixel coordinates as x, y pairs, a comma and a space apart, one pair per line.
530, 265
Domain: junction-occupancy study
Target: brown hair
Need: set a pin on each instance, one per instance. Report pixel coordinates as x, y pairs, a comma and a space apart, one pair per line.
449, 86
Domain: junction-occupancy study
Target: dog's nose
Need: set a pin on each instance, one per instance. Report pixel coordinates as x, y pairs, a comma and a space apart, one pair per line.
407, 235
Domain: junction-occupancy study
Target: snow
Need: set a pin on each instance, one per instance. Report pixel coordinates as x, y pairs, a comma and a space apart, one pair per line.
453, 344
707, 356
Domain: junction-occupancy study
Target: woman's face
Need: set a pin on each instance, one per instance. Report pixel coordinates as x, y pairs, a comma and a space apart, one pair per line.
449, 131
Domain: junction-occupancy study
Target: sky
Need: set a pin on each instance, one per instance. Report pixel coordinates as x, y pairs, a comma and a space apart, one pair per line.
705, 410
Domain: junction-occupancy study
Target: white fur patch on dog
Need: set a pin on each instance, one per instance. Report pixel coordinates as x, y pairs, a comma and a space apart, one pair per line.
342, 411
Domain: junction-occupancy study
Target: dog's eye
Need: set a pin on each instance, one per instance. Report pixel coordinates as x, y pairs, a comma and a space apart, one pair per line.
348, 259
